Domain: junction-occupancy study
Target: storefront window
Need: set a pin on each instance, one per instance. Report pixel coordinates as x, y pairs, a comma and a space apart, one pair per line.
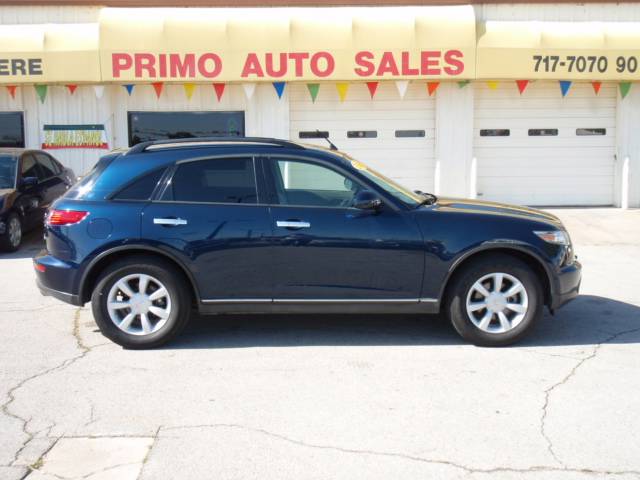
11, 129
146, 126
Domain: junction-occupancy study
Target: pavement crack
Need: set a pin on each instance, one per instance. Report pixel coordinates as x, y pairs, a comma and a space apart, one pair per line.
414, 458
11, 393
563, 381
146, 457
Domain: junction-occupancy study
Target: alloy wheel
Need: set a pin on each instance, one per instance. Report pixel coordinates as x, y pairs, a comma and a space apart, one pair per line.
139, 304
14, 232
497, 303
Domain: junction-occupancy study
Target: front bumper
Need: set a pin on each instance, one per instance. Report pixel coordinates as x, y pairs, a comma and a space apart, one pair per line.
567, 285
55, 278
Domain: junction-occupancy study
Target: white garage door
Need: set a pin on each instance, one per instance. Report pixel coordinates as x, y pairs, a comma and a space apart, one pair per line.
392, 135
541, 149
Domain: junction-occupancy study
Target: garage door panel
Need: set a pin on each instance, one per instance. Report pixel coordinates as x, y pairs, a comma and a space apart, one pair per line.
562, 169
409, 160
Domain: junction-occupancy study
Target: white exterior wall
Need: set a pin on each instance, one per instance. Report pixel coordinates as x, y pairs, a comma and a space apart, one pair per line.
266, 115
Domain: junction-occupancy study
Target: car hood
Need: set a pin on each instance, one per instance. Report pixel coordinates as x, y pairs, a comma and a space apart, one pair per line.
494, 208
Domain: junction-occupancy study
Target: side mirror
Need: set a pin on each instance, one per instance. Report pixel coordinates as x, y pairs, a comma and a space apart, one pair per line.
29, 182
367, 200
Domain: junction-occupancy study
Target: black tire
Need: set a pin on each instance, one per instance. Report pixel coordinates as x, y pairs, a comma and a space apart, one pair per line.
5, 240
456, 307
175, 284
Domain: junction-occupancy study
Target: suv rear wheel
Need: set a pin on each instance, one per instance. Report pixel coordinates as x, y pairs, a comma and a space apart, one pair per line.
495, 301
141, 302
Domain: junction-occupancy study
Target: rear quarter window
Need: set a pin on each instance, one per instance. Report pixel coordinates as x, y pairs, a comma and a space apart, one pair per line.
142, 188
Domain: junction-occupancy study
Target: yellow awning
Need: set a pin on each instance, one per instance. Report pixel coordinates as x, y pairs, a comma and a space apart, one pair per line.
49, 53
558, 50
287, 44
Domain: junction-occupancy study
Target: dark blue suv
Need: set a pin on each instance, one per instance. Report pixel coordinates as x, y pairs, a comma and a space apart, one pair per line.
271, 226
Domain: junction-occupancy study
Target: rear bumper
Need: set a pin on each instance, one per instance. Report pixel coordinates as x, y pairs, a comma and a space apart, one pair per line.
567, 285
55, 278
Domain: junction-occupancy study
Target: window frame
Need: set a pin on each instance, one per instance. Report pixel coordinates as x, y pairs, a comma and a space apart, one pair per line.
271, 194
22, 129
166, 179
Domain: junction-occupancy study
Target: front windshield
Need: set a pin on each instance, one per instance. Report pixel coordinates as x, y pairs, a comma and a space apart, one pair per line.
7, 171
392, 188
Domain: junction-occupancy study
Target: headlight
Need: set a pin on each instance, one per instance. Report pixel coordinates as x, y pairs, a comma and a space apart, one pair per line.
557, 237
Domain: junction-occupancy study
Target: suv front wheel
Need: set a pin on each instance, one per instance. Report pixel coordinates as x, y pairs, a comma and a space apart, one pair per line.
495, 301
140, 302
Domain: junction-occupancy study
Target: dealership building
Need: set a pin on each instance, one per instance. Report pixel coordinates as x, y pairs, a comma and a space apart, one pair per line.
528, 103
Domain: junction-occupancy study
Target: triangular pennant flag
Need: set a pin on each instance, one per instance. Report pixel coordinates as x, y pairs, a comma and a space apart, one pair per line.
492, 84
279, 86
596, 87
432, 87
12, 90
342, 88
402, 86
463, 83
219, 88
624, 88
129, 88
313, 88
372, 86
41, 90
522, 85
249, 88
98, 90
565, 85
158, 86
189, 89
71, 88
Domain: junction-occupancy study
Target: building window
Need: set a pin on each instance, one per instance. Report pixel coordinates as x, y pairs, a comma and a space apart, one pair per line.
543, 132
362, 134
146, 126
409, 133
590, 131
314, 134
495, 132
12, 129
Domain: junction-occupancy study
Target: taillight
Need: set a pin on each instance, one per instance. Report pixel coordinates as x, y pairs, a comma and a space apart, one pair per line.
65, 217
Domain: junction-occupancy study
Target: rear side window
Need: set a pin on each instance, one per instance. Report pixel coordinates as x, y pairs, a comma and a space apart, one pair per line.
222, 180
30, 167
142, 188
46, 165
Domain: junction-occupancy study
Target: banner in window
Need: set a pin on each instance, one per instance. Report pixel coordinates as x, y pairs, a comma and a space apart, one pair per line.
57, 137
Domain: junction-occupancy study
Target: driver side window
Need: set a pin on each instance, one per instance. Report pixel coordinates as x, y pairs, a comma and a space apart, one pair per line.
308, 184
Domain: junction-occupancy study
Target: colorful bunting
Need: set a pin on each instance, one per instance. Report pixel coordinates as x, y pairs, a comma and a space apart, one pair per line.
522, 85
432, 87
12, 90
41, 90
463, 83
402, 86
372, 86
189, 88
219, 88
98, 90
129, 88
249, 89
624, 88
279, 86
158, 86
313, 88
565, 85
596, 87
492, 84
71, 88
342, 88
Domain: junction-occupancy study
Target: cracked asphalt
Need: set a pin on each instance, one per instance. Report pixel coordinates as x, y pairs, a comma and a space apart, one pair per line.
306, 397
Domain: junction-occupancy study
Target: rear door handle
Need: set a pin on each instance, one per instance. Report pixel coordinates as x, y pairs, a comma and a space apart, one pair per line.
173, 222
292, 224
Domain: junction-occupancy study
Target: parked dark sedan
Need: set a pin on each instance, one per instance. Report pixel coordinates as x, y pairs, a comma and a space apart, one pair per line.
266, 225
30, 180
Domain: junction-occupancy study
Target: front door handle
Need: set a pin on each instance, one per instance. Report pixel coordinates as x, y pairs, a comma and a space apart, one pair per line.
172, 222
292, 224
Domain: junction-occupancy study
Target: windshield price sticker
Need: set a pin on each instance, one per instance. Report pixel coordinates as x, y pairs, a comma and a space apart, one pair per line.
584, 64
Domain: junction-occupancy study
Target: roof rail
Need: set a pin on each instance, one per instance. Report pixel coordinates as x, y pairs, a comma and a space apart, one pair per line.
141, 147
